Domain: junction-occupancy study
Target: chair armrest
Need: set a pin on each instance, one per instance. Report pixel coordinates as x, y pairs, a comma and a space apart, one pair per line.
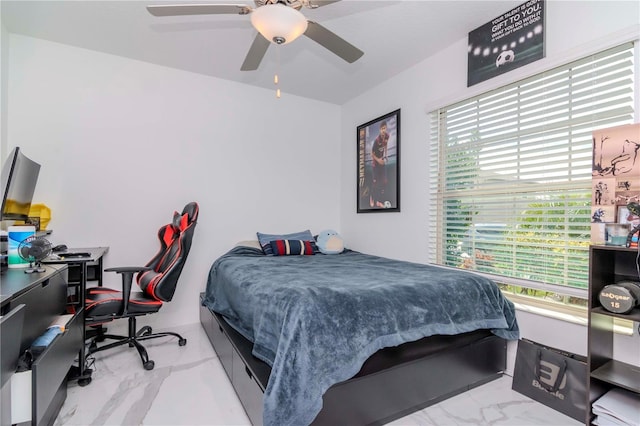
127, 280
125, 269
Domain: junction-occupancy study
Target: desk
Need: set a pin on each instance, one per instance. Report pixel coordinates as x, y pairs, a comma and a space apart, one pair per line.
81, 270
44, 298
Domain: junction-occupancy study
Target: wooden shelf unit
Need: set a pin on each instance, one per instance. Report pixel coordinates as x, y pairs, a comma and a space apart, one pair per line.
608, 265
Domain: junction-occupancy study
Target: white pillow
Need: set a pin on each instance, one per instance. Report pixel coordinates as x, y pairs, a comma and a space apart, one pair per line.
249, 243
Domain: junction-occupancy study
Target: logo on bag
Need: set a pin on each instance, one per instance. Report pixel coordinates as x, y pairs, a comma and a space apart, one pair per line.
549, 375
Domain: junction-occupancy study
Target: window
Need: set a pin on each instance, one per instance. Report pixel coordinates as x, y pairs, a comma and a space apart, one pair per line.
511, 174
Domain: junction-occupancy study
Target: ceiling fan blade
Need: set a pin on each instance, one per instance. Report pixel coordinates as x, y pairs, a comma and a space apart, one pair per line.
198, 9
256, 53
319, 3
333, 42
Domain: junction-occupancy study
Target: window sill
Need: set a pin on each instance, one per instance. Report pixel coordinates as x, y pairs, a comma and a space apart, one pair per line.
571, 314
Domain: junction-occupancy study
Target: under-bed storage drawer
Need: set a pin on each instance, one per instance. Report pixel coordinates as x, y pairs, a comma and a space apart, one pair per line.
247, 375
411, 386
219, 341
206, 319
248, 390
223, 348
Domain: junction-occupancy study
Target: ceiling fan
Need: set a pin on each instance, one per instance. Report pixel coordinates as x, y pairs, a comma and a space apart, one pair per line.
277, 21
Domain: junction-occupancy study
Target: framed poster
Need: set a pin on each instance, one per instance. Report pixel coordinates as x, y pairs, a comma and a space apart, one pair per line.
511, 40
378, 164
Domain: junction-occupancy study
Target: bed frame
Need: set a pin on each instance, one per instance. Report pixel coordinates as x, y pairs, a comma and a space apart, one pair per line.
393, 383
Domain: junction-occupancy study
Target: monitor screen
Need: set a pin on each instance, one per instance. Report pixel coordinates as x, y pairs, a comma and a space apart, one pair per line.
19, 177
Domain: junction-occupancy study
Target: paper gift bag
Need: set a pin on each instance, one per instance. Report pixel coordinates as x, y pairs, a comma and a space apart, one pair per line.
555, 378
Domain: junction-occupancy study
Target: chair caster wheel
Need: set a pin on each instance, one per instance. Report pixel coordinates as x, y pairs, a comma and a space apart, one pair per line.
149, 365
84, 381
144, 331
182, 342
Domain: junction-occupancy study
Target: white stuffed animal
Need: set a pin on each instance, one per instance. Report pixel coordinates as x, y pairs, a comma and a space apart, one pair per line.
330, 242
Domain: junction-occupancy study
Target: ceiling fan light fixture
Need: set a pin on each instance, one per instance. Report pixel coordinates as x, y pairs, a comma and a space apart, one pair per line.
278, 23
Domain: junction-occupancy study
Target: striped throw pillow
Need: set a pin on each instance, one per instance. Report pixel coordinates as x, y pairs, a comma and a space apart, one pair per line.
291, 247
265, 240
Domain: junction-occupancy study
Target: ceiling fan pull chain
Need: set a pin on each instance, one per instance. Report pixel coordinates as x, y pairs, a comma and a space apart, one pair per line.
276, 80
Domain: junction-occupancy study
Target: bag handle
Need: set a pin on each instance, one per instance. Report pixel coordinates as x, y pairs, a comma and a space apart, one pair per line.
551, 388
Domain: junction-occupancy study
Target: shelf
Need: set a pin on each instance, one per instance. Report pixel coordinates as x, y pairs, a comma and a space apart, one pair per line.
620, 374
614, 248
608, 265
634, 315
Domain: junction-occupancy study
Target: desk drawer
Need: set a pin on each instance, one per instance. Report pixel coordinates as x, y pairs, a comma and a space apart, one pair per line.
49, 372
42, 303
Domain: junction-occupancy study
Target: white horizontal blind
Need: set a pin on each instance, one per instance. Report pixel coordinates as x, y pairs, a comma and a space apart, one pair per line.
511, 171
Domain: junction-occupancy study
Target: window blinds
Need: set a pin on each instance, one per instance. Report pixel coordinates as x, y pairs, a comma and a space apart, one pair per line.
510, 172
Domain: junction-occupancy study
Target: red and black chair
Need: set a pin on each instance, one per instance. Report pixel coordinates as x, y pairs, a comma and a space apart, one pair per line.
157, 280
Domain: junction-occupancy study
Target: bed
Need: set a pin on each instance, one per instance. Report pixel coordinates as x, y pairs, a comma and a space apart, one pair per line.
350, 338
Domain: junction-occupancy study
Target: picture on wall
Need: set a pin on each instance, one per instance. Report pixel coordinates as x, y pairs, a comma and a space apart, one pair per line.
615, 183
378, 164
615, 152
511, 40
627, 190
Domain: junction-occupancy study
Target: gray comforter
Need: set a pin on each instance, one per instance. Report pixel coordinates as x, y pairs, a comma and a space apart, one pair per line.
316, 319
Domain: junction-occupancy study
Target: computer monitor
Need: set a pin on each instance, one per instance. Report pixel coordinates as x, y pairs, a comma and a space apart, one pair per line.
19, 178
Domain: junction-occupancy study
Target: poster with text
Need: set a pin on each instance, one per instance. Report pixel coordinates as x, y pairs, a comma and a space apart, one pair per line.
511, 40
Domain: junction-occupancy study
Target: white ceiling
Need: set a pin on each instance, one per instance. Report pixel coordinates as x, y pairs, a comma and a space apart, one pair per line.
394, 35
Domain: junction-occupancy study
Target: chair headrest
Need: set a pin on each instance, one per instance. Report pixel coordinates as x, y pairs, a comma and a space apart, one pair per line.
191, 210
188, 216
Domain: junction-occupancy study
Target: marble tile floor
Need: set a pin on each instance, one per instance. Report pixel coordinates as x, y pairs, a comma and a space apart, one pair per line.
189, 387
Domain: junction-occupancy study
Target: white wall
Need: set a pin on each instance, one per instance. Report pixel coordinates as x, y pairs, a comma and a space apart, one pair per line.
4, 79
573, 30
123, 143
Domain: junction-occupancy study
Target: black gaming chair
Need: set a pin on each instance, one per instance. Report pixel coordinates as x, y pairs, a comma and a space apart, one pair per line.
157, 280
